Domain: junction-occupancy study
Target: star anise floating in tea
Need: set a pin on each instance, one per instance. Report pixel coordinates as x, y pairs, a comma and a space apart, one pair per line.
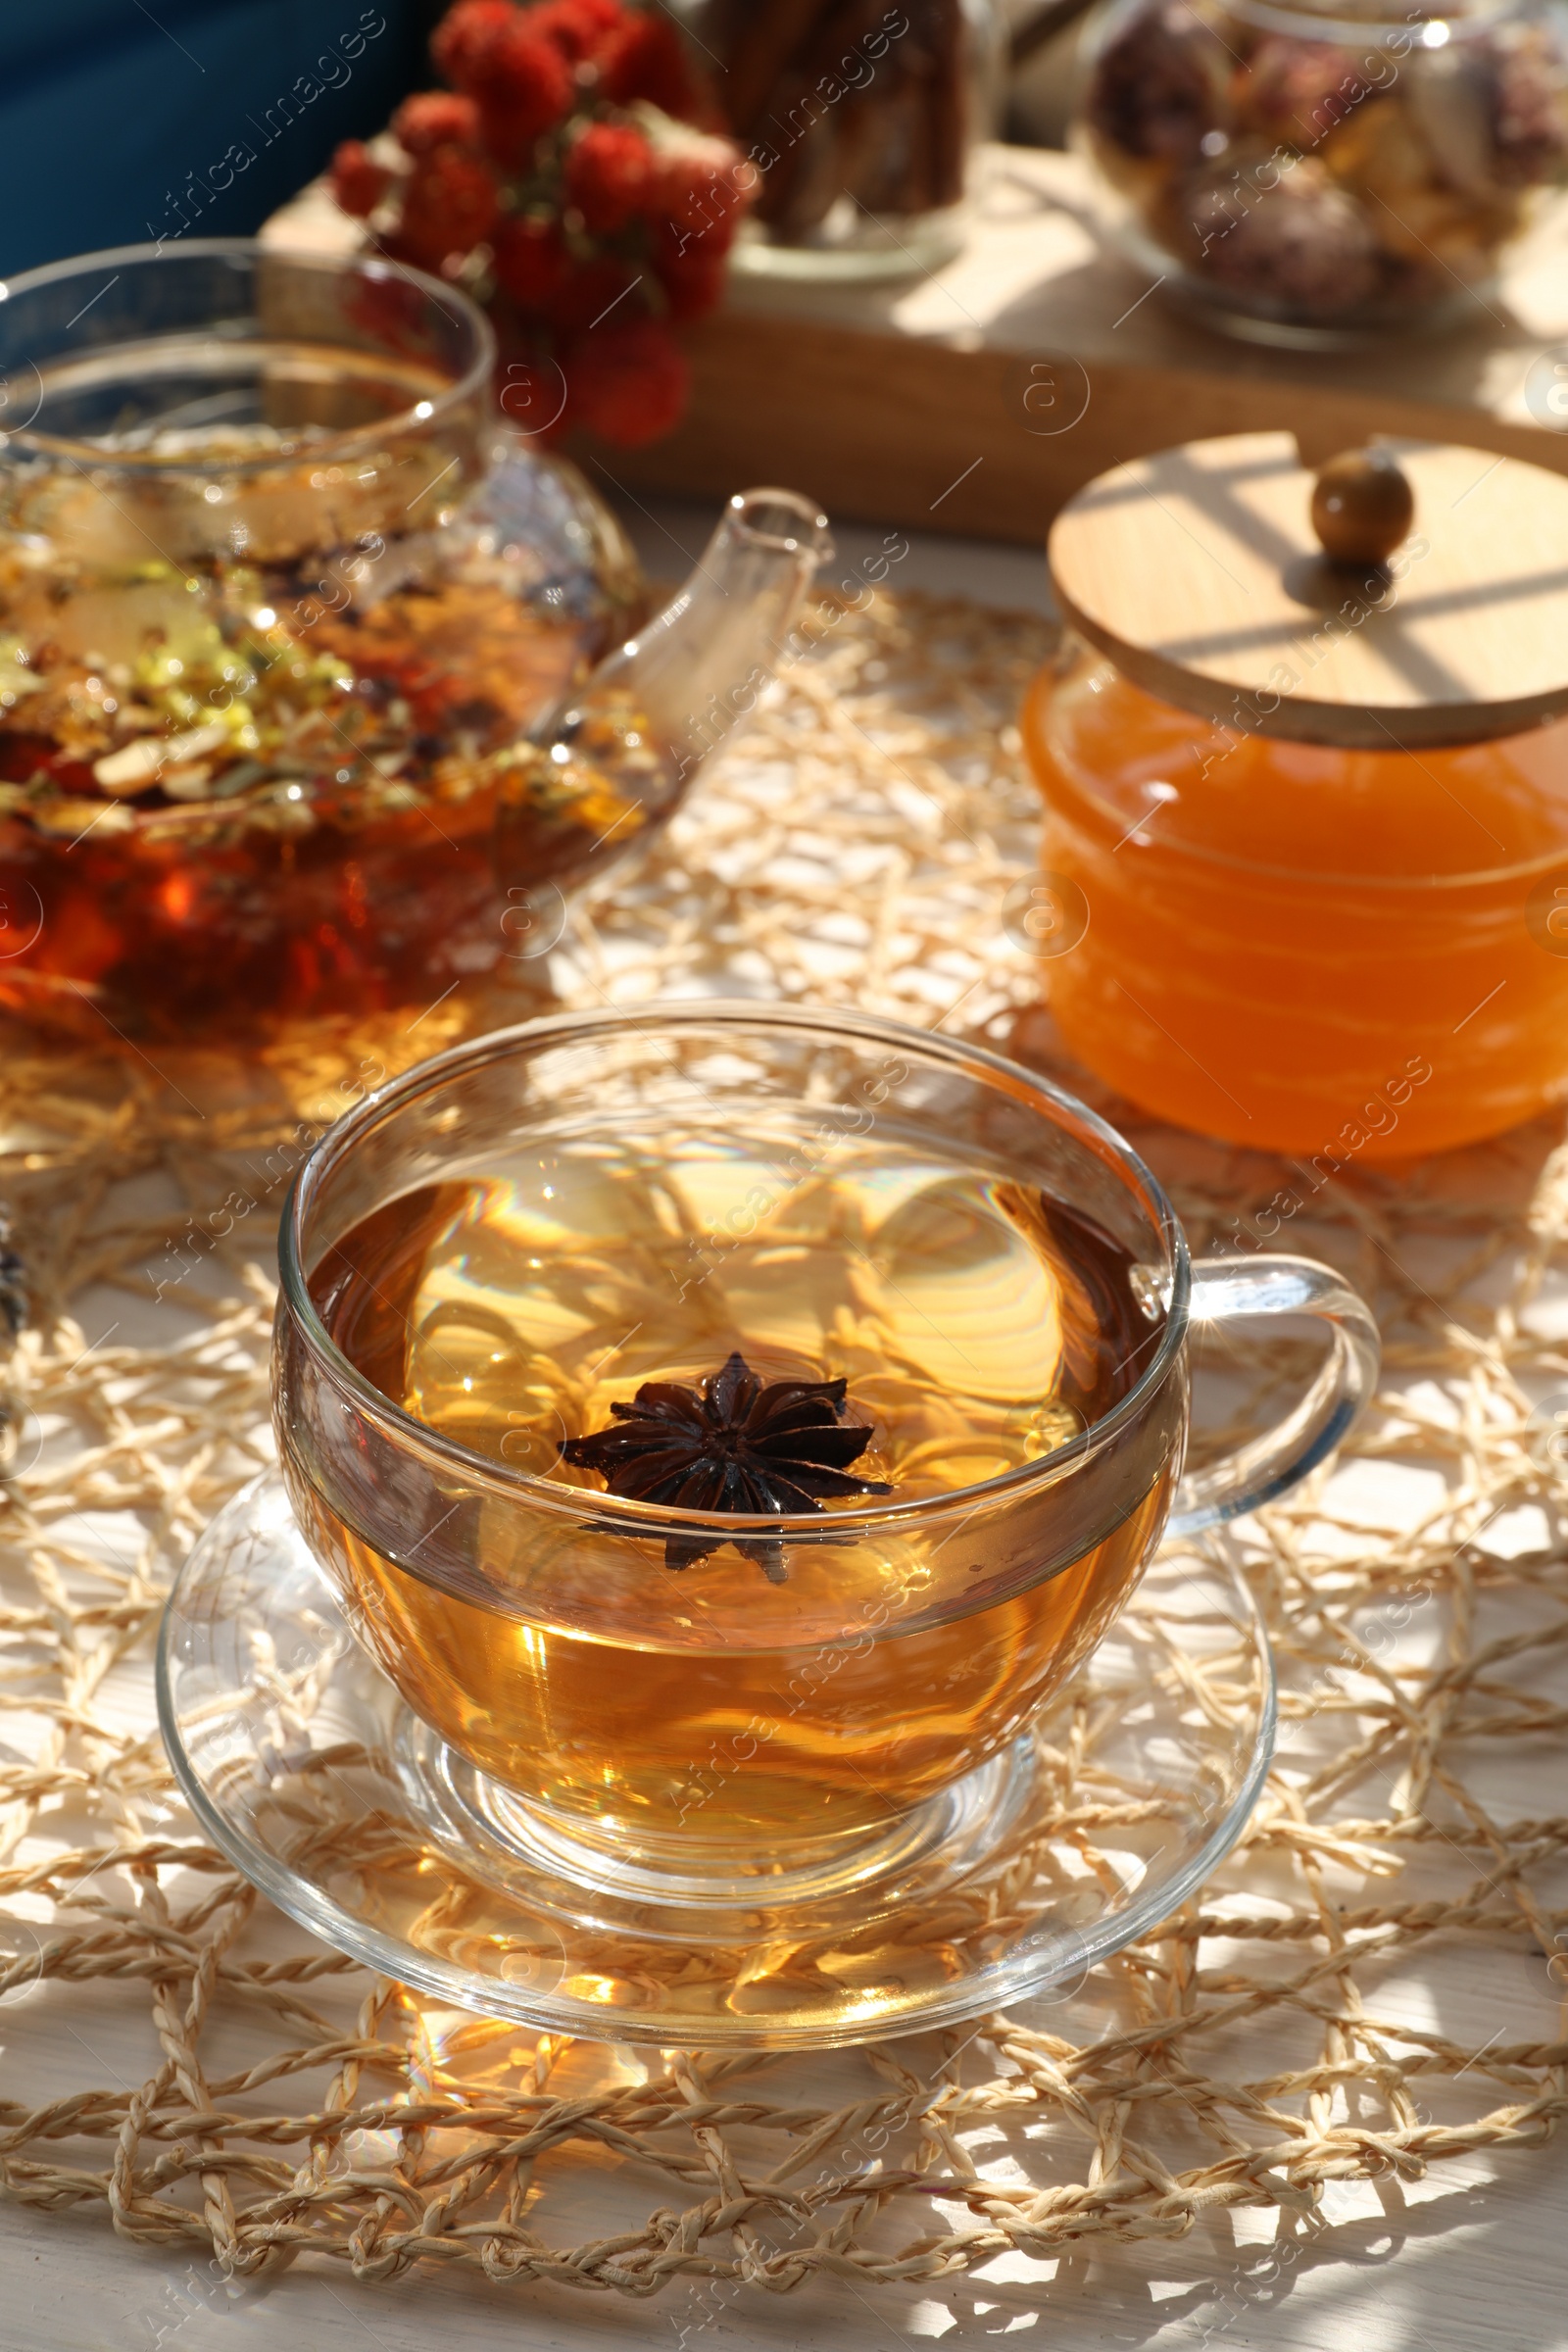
729, 1444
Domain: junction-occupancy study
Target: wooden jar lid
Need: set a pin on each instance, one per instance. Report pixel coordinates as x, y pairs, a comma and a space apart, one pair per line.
1198, 571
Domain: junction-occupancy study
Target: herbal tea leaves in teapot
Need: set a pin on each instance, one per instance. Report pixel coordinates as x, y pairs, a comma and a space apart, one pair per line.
729, 1444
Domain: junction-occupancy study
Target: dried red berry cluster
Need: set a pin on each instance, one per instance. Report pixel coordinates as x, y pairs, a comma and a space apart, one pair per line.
569, 176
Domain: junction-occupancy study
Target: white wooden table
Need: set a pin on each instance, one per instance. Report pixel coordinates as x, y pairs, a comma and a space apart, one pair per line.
1473, 2257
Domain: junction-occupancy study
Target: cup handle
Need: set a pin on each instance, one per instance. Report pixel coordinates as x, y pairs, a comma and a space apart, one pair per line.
1228, 1291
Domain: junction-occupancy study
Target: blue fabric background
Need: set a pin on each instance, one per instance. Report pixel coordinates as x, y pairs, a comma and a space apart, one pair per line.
114, 115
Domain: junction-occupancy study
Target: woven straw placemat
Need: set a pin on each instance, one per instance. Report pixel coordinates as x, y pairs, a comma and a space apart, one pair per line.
1371, 1985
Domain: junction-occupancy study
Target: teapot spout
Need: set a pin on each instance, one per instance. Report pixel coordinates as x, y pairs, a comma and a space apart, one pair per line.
702, 663
616, 757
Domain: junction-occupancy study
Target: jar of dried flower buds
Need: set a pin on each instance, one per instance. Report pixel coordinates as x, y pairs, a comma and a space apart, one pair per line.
859, 120
1316, 174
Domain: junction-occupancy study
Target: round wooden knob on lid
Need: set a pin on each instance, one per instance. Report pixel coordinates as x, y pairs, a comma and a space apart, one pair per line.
1199, 572
1362, 507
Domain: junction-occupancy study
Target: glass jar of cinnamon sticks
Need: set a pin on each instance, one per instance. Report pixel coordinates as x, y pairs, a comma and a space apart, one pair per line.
860, 119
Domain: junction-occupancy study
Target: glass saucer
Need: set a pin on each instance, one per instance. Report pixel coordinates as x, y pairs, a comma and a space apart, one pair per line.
302, 1763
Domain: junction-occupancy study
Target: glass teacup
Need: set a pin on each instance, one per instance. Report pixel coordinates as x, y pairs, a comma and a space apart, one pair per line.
917, 1319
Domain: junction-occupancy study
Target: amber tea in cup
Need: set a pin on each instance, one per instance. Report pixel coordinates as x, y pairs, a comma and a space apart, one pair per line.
728, 1425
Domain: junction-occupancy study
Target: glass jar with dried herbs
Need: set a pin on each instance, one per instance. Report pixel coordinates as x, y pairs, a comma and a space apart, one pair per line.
1330, 170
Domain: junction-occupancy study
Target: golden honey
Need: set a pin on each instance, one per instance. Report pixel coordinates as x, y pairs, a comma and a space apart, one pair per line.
1342, 955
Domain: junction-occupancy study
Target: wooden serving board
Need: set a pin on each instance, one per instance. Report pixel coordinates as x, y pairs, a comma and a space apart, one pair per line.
977, 399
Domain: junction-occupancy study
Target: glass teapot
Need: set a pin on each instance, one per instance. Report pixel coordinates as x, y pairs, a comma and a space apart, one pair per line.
298, 644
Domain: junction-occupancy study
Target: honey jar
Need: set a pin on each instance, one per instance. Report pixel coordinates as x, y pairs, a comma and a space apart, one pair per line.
1306, 855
